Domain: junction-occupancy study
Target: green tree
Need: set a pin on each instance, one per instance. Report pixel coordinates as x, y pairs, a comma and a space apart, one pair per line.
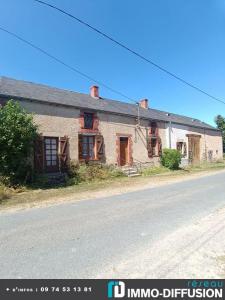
17, 134
220, 122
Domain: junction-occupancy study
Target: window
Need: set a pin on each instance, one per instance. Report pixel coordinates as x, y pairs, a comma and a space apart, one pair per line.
154, 146
51, 153
154, 131
182, 148
87, 147
88, 120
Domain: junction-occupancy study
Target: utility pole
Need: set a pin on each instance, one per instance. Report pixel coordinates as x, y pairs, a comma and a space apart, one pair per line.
170, 128
138, 117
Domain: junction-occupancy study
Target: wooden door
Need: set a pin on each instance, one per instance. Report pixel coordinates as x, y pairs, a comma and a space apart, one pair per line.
123, 151
51, 154
194, 149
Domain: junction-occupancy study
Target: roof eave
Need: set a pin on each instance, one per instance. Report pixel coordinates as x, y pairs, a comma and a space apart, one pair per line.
102, 110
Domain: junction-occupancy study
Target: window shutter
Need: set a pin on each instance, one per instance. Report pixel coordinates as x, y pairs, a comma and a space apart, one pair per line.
64, 153
39, 154
160, 146
80, 147
149, 147
95, 122
81, 121
100, 147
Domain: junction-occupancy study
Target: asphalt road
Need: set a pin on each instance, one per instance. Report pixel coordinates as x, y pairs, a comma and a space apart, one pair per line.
84, 239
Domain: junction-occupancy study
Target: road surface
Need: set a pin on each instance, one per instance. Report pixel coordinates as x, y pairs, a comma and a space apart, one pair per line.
152, 233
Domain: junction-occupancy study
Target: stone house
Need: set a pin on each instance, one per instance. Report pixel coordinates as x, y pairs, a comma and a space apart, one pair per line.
88, 127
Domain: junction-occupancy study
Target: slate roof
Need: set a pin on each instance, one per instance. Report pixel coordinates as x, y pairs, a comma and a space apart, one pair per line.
27, 90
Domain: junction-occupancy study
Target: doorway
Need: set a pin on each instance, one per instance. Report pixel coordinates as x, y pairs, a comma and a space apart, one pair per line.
124, 154
194, 149
51, 154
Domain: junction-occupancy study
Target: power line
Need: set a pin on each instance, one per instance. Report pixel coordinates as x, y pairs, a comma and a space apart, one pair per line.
132, 51
65, 64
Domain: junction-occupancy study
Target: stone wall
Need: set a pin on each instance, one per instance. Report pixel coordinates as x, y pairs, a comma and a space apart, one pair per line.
58, 121
111, 125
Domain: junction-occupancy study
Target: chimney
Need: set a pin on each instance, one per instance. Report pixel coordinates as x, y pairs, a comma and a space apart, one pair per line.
144, 103
94, 91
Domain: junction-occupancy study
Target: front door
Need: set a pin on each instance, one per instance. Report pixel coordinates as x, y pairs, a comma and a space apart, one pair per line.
51, 154
194, 149
123, 151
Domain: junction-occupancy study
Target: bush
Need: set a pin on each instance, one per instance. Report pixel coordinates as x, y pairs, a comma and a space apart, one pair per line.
73, 173
17, 133
171, 159
3, 193
40, 181
92, 171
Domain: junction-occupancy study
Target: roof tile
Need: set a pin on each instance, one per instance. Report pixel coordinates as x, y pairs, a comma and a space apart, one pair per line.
32, 91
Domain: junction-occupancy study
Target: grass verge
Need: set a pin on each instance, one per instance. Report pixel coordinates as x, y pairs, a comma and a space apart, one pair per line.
24, 198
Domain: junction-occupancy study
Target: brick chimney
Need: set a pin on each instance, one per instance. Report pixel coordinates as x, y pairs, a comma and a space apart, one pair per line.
94, 91
144, 103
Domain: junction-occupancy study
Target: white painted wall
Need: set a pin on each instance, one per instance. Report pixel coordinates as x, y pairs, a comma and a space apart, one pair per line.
178, 133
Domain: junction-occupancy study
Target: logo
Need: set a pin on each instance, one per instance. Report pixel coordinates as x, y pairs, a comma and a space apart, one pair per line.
116, 289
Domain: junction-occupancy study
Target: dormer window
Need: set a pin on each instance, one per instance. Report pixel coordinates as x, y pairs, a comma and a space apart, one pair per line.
88, 120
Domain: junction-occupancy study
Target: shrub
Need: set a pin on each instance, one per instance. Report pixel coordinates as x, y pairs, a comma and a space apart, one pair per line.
171, 159
92, 171
115, 172
73, 171
40, 181
17, 133
3, 193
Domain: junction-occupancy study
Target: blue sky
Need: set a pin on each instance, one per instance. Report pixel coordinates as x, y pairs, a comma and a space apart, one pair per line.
186, 37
